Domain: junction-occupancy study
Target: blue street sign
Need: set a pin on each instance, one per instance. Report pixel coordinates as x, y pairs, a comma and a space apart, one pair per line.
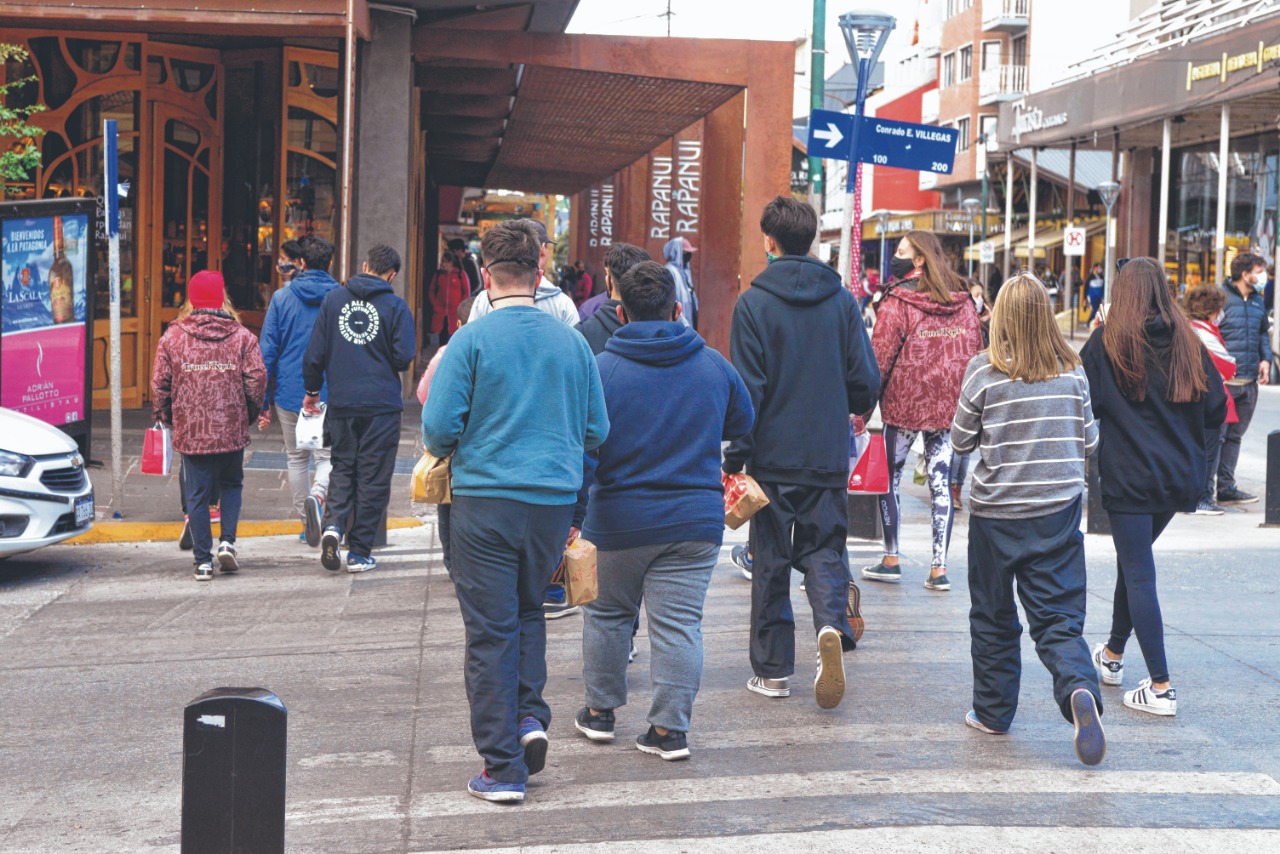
924, 148
110, 190
882, 142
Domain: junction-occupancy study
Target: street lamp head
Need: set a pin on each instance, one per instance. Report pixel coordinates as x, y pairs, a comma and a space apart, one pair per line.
971, 206
865, 34
882, 216
1109, 191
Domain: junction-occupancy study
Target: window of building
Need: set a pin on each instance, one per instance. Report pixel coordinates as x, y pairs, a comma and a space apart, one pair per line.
955, 7
990, 55
966, 63
948, 70
987, 127
962, 126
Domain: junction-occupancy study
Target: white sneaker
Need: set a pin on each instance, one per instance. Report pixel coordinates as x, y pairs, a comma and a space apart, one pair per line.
828, 683
769, 687
1109, 671
1144, 698
227, 561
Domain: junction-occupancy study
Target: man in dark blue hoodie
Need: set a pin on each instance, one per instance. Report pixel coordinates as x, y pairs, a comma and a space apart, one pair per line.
657, 507
363, 339
286, 332
798, 341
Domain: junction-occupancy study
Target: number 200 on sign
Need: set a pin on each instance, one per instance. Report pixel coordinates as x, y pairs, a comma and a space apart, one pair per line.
939, 167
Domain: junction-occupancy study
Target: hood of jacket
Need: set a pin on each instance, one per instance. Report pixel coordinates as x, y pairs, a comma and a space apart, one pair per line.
799, 279
365, 286
607, 315
310, 286
655, 342
673, 251
920, 300
208, 324
545, 290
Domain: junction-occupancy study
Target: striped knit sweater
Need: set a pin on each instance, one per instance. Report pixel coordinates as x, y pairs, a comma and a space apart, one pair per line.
1032, 439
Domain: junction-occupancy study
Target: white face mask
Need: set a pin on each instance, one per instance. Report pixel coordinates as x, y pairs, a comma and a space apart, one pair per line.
1217, 321
1262, 280
977, 304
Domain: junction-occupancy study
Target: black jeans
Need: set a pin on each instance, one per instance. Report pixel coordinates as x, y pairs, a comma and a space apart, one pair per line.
442, 531
206, 476
364, 459
1136, 609
504, 553
803, 527
1045, 555
1246, 397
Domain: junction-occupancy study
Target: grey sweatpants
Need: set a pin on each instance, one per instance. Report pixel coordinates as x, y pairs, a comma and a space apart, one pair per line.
673, 580
300, 485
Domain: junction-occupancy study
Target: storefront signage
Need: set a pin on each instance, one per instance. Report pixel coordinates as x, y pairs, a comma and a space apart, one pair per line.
600, 216
1031, 119
46, 262
688, 191
1219, 69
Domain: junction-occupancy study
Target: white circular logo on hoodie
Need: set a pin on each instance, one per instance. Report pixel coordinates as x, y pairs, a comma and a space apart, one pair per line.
358, 322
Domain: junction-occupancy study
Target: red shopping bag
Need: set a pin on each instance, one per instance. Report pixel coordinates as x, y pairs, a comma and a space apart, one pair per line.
871, 473
157, 450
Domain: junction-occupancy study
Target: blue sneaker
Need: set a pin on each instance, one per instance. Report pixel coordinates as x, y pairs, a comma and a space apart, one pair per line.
533, 738
330, 541
302, 538
555, 603
360, 563
742, 560
486, 788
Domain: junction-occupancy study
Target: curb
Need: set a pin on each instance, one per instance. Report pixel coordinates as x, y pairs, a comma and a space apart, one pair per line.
146, 532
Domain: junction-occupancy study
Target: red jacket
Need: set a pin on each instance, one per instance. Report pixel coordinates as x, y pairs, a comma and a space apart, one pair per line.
923, 349
448, 289
206, 383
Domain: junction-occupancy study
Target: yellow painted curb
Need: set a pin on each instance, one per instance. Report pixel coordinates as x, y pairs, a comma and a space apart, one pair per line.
146, 532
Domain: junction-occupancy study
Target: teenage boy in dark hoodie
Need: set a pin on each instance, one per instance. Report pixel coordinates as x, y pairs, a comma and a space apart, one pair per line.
799, 343
657, 507
362, 340
606, 319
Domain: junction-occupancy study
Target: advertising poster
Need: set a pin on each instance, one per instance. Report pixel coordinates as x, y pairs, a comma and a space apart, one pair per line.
43, 313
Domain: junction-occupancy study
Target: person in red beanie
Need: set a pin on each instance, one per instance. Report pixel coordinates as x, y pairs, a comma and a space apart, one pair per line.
206, 385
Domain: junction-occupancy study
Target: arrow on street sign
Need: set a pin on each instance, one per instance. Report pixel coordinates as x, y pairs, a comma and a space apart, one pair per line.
832, 135
827, 129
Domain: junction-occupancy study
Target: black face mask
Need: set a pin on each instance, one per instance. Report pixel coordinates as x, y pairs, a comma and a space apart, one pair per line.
900, 267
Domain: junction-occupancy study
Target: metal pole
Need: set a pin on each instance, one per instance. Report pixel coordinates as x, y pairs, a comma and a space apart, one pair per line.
971, 218
1065, 288
852, 220
1031, 214
1220, 232
817, 91
1110, 274
110, 195
985, 234
1008, 215
348, 144
884, 262
1163, 234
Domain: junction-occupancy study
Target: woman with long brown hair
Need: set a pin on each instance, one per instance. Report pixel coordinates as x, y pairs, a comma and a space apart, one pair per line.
1157, 397
926, 331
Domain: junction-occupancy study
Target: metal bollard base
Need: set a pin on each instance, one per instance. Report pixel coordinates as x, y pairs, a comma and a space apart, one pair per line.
1271, 518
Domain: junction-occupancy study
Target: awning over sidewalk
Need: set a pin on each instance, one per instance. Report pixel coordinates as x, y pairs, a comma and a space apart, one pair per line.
313, 18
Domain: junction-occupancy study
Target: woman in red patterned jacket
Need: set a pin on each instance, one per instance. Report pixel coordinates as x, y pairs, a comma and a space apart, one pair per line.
448, 289
207, 383
925, 334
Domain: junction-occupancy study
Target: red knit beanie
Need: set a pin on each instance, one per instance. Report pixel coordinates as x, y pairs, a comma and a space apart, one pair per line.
206, 289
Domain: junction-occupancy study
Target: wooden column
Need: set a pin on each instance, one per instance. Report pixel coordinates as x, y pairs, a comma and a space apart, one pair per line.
766, 160
721, 248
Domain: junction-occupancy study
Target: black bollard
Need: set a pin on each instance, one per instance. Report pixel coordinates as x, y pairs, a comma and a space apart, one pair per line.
1272, 519
1097, 521
864, 517
233, 772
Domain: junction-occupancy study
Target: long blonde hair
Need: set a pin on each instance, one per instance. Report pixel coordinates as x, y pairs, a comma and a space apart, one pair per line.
230, 309
1026, 343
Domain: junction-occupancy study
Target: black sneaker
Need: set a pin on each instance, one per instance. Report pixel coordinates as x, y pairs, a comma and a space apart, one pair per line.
670, 747
1236, 496
312, 513
597, 727
330, 556
184, 539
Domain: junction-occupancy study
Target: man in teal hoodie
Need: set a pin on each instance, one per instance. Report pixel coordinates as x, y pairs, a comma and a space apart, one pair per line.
517, 401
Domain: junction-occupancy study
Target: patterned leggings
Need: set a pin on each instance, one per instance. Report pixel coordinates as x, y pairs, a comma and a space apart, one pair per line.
937, 454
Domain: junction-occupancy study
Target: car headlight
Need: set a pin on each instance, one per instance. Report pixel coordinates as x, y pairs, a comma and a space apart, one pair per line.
14, 465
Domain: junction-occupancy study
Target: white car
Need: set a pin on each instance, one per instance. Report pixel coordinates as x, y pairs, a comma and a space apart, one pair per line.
45, 493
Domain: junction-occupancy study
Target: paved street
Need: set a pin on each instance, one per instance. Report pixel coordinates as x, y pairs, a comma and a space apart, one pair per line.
103, 645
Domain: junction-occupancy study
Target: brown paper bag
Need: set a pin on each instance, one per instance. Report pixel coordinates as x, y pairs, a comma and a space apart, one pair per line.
580, 583
430, 483
743, 498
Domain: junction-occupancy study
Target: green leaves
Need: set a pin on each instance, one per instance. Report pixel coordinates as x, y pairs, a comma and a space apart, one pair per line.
19, 155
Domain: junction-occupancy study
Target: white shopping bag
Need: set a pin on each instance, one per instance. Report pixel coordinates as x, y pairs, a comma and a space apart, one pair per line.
310, 432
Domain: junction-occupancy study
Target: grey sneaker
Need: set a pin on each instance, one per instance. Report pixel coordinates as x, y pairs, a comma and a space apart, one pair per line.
204, 572
937, 582
1208, 508
742, 560
769, 687
670, 747
597, 727
881, 572
1236, 496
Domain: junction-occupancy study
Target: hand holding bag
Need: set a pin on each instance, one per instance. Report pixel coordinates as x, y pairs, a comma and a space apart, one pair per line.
309, 434
581, 584
743, 498
157, 450
871, 474
431, 482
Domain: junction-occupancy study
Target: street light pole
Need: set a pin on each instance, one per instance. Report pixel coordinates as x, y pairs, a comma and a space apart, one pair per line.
971, 210
864, 36
817, 87
882, 220
1109, 191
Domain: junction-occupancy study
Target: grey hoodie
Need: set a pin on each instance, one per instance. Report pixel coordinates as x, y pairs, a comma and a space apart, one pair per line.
547, 297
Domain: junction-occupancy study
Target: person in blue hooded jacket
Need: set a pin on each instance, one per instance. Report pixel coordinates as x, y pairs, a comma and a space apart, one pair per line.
656, 511
678, 253
286, 332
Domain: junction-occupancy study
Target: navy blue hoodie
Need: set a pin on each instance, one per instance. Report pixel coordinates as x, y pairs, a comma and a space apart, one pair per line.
798, 341
363, 339
671, 400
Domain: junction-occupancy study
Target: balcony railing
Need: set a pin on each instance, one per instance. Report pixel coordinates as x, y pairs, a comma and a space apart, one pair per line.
1005, 16
1002, 83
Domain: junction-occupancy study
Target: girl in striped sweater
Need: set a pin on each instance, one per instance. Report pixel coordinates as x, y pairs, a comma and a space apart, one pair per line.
1024, 406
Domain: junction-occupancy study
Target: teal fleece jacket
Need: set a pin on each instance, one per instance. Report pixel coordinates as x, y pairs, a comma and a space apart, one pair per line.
517, 400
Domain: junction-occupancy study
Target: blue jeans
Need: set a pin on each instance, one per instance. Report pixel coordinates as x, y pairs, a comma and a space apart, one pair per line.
1136, 609
673, 579
206, 476
503, 554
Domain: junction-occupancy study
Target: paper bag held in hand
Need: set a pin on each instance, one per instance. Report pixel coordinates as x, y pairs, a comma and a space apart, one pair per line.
580, 583
743, 498
430, 483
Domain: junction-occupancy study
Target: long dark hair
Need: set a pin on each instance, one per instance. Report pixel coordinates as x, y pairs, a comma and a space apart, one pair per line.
1140, 294
937, 279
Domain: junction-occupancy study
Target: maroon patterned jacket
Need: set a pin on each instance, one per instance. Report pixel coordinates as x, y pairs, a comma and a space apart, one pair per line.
922, 349
206, 383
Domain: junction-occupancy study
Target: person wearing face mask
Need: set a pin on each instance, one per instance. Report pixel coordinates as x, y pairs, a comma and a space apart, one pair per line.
1204, 304
1244, 329
925, 334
